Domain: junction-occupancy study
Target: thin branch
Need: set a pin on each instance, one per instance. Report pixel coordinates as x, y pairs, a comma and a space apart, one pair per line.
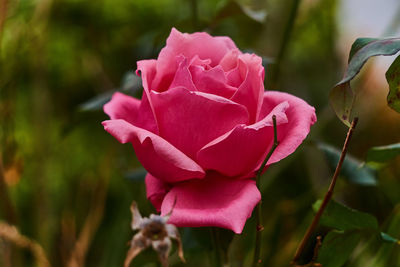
259, 227
327, 197
92, 221
217, 246
11, 234
285, 42
7, 206
194, 10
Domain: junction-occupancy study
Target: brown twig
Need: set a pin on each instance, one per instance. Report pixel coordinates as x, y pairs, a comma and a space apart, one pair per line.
259, 227
327, 197
312, 263
316, 248
11, 234
3, 16
5, 201
92, 222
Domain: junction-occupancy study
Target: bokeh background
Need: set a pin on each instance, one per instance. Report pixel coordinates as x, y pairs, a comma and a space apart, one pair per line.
68, 185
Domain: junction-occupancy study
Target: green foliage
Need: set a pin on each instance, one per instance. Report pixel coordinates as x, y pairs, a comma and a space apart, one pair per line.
344, 218
383, 153
68, 180
390, 239
393, 78
337, 247
342, 97
353, 170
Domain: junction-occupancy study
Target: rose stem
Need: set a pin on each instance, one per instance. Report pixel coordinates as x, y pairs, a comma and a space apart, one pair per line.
327, 197
259, 227
217, 246
194, 10
284, 44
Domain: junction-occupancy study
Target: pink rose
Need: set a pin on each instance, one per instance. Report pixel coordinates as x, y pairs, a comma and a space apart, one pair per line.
203, 128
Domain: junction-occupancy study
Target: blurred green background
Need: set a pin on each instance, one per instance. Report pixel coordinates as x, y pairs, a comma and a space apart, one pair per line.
68, 184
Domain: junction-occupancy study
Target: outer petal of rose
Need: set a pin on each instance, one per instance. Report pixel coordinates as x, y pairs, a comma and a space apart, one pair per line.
147, 70
212, 81
157, 156
189, 45
125, 107
241, 150
189, 120
214, 201
300, 118
156, 190
250, 92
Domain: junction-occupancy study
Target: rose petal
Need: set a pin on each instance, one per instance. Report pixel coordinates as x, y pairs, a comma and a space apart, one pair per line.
250, 92
212, 81
214, 201
189, 120
300, 118
123, 107
183, 77
200, 43
237, 75
156, 190
128, 108
157, 156
241, 150
230, 60
147, 70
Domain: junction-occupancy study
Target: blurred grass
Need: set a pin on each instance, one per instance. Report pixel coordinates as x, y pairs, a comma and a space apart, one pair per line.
66, 179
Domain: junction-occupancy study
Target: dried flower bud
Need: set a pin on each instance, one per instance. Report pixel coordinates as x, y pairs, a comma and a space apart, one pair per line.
154, 231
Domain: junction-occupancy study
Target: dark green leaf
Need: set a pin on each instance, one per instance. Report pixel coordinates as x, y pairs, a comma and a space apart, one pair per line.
352, 169
393, 79
342, 100
358, 44
136, 175
341, 217
232, 7
379, 47
96, 103
337, 247
131, 82
387, 238
342, 96
383, 153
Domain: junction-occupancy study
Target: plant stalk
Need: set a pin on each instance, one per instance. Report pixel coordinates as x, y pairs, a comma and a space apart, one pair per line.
259, 227
284, 44
328, 196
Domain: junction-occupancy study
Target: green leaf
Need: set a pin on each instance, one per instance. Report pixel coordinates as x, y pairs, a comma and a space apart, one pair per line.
341, 217
389, 239
337, 247
130, 84
352, 169
383, 153
96, 103
358, 44
137, 175
393, 79
342, 100
342, 96
231, 7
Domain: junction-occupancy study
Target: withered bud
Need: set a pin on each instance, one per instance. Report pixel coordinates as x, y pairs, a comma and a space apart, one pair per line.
154, 231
